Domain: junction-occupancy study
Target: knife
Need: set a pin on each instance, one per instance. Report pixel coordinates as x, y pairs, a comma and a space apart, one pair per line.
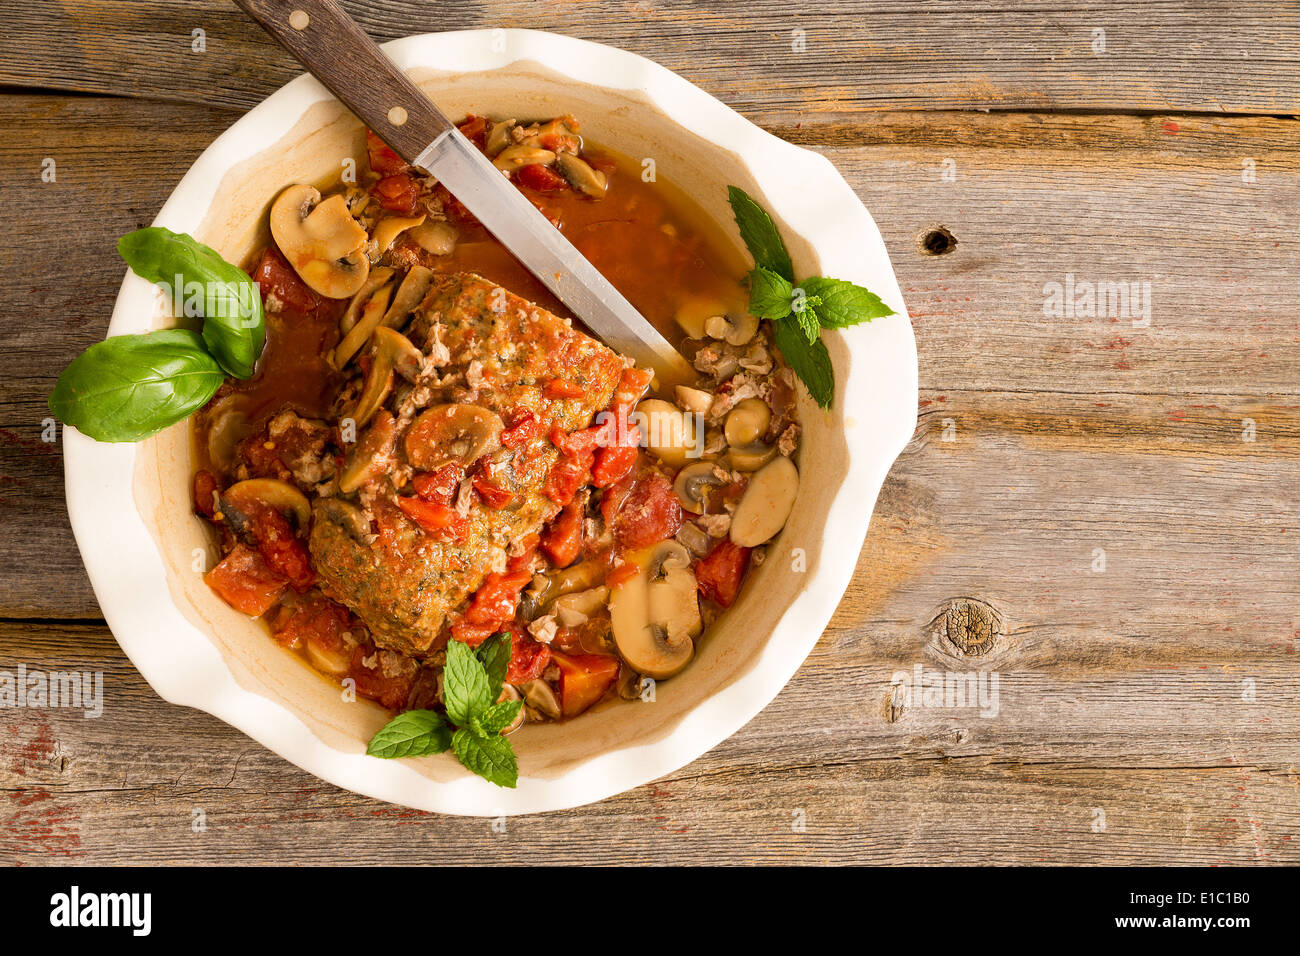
323, 38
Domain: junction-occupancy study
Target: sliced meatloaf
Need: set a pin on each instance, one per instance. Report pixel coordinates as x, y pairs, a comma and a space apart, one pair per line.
487, 348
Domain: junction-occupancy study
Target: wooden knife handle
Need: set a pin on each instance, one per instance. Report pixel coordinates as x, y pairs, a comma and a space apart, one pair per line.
329, 43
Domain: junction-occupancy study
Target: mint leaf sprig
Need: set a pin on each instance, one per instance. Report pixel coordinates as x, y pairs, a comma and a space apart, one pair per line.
798, 313
471, 683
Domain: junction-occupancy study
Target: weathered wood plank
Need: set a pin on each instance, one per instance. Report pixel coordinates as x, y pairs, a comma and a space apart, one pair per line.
760, 57
1181, 769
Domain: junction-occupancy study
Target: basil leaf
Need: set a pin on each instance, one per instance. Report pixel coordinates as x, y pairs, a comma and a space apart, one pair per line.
760, 234
491, 756
842, 303
465, 689
810, 360
229, 301
499, 716
494, 654
769, 294
130, 386
415, 733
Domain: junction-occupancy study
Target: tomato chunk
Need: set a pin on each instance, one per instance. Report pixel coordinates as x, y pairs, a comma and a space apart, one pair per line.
475, 129
562, 541
720, 573
651, 513
244, 581
281, 286
525, 428
440, 520
528, 658
320, 622
390, 690
439, 487
542, 178
398, 193
584, 679
383, 160
285, 553
205, 488
492, 606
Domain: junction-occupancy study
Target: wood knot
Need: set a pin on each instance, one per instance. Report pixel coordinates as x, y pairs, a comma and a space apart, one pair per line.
937, 241
972, 627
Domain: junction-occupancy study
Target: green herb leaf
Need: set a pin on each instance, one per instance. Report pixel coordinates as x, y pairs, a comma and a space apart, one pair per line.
499, 716
415, 733
229, 301
769, 294
842, 303
494, 654
130, 386
806, 320
810, 361
760, 234
490, 756
465, 689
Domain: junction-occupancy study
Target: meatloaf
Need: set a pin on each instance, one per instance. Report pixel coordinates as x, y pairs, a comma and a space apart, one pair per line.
486, 348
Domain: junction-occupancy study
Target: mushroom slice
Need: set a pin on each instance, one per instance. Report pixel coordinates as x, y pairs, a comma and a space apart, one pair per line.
240, 499
387, 230
750, 457
452, 433
656, 614
359, 334
508, 692
229, 427
517, 157
539, 695
580, 606
409, 294
765, 506
321, 240
378, 278
498, 138
747, 422
438, 238
404, 357
579, 174
372, 455
735, 328
693, 484
695, 311
347, 516
695, 400
328, 659
668, 431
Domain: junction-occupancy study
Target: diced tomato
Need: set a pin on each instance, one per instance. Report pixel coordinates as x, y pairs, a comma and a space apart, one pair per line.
390, 690
475, 129
472, 634
525, 428
720, 573
577, 455
558, 387
528, 658
560, 142
383, 160
584, 679
244, 581
439, 487
285, 553
497, 597
542, 178
318, 621
632, 385
651, 513
621, 573
275, 277
523, 561
613, 463
454, 208
205, 488
562, 541
493, 496
398, 193
440, 520
613, 497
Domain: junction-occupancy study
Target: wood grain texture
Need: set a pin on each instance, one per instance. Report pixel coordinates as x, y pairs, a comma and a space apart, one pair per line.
1121, 499
851, 57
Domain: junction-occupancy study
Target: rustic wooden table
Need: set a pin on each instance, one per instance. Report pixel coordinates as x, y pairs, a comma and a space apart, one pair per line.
1101, 506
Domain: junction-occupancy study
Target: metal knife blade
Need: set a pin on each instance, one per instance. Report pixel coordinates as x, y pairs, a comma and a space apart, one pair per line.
343, 57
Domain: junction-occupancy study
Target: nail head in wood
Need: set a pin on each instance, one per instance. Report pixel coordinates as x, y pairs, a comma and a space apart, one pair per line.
397, 116
299, 19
